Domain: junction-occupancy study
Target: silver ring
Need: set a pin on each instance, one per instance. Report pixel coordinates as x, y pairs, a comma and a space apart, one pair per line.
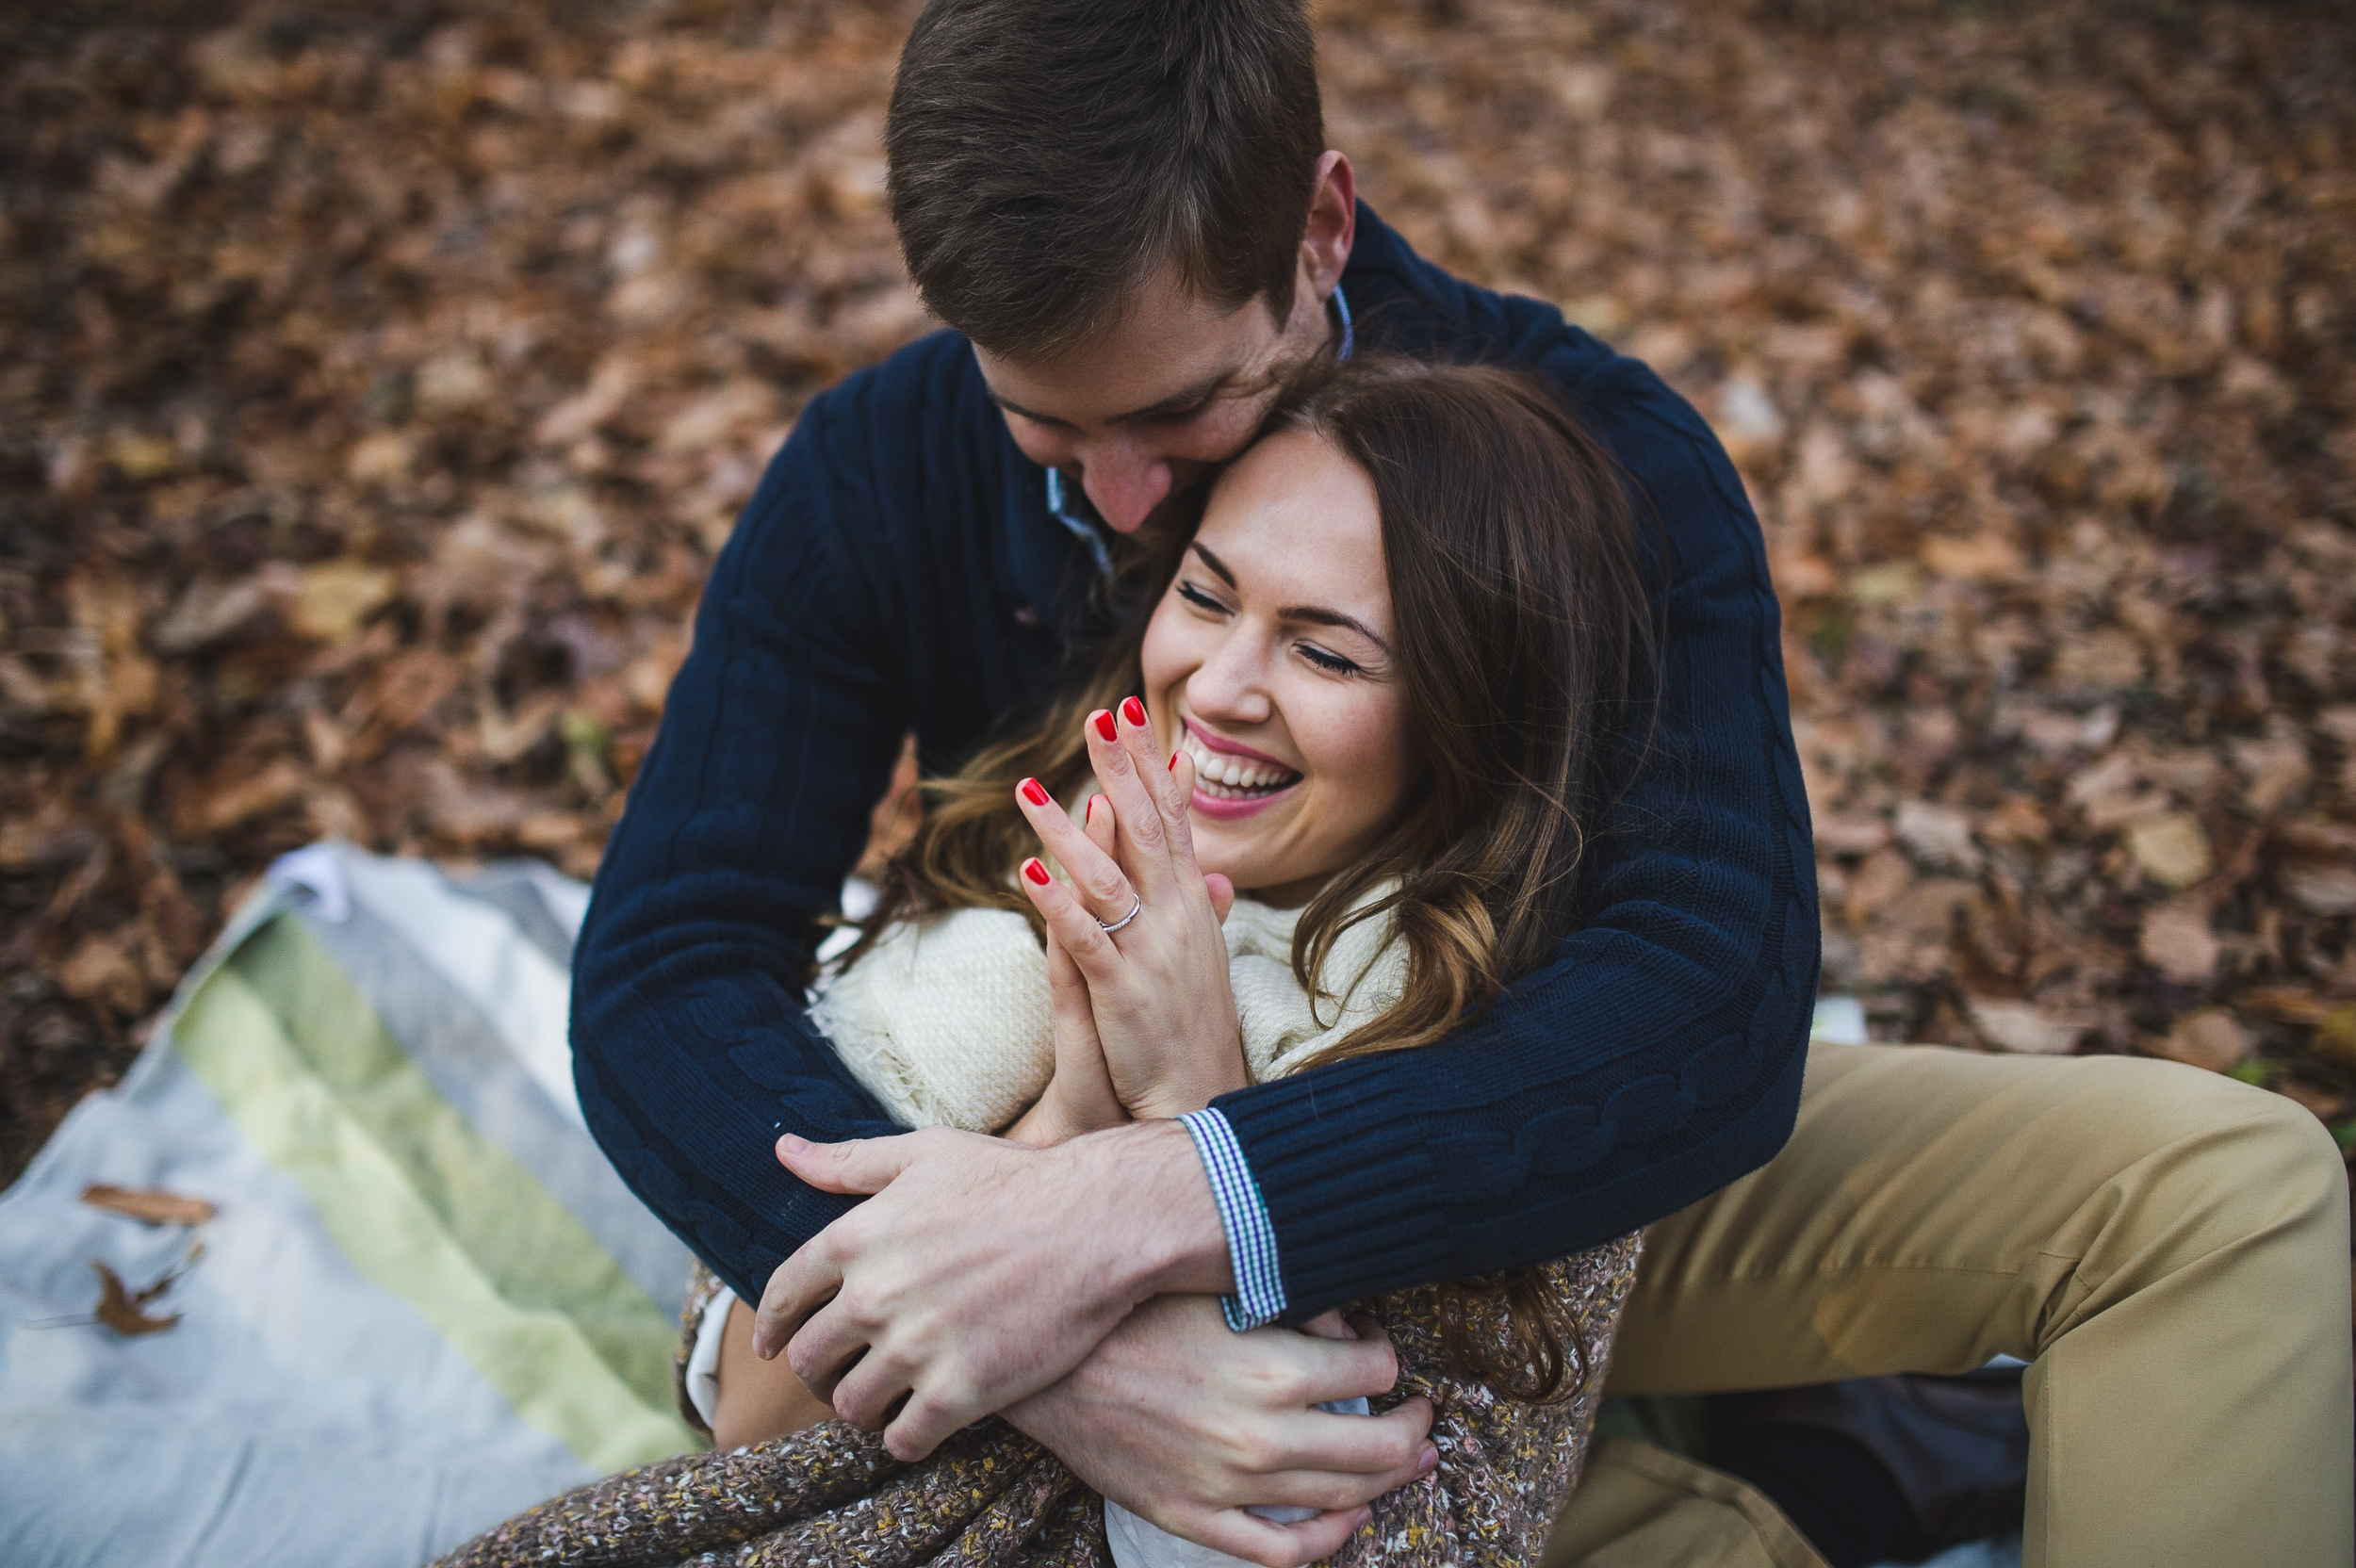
1127, 918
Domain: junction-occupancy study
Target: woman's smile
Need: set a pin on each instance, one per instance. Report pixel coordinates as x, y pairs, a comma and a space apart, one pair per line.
1231, 781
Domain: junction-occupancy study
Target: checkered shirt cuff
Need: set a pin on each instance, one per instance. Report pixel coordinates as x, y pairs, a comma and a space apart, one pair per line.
1251, 1239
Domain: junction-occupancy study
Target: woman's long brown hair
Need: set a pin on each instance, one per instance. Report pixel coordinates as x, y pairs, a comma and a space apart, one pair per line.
1526, 643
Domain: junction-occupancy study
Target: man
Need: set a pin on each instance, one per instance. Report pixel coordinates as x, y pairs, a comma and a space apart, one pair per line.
1128, 212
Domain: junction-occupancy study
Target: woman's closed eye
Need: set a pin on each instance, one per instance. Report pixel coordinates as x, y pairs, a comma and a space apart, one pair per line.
1200, 598
1332, 663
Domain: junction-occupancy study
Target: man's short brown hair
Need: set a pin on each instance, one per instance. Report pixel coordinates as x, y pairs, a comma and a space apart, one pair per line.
1047, 157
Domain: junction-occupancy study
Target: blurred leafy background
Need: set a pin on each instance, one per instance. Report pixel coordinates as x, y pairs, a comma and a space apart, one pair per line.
376, 384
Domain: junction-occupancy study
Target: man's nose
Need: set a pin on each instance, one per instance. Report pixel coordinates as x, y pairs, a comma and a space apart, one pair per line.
1124, 481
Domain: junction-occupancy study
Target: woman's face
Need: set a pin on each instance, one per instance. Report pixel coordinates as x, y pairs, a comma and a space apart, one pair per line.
1270, 663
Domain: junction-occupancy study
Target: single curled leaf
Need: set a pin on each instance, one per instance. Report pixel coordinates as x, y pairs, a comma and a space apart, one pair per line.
151, 1204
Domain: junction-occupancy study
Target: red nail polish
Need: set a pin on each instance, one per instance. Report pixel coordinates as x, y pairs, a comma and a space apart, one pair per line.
1034, 793
1103, 720
1036, 871
1174, 761
1134, 710
1087, 814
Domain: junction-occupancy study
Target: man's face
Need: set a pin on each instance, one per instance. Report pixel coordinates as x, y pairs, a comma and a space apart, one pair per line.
1140, 415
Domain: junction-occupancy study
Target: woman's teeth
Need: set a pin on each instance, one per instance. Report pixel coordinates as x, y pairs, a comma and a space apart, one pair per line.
1223, 776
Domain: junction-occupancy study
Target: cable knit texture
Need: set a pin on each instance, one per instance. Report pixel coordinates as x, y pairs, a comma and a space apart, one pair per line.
945, 1021
897, 569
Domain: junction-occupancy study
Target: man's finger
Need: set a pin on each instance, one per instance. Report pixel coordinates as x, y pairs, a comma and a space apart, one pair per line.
864, 1393
823, 1350
925, 1421
1361, 1369
1277, 1546
1325, 1490
1378, 1452
797, 1287
863, 1166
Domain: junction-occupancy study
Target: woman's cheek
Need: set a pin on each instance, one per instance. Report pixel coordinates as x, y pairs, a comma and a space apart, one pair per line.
1379, 755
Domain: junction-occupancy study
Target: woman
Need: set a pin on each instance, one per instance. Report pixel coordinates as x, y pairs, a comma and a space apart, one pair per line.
1396, 666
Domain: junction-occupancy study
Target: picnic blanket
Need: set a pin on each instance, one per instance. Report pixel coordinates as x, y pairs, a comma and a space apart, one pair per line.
423, 1301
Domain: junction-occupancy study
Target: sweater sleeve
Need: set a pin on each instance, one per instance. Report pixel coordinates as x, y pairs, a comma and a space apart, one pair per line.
1659, 1056
692, 1051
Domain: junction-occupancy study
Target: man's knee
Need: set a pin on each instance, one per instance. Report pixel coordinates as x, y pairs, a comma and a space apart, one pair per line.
2230, 1145
2298, 1153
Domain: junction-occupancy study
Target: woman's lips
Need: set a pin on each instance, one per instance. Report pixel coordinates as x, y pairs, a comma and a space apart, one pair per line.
1233, 766
1235, 808
1232, 783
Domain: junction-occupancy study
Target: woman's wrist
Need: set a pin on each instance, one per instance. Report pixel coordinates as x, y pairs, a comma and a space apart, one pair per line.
1055, 1118
1189, 1082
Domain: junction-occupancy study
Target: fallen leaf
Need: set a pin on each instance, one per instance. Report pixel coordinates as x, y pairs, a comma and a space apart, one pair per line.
235, 798
151, 1204
1978, 558
101, 969
2320, 888
139, 457
335, 596
2276, 767
2018, 821
1841, 834
2211, 1038
2021, 1027
1939, 836
2115, 774
119, 1310
210, 610
382, 457
2176, 940
2170, 848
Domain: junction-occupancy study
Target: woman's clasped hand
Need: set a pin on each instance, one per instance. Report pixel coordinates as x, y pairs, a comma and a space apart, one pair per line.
1144, 1017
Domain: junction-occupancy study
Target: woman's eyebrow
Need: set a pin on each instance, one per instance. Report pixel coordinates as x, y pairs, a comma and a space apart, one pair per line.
1316, 617
1213, 563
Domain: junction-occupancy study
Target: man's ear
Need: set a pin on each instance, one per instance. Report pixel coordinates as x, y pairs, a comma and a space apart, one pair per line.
1333, 227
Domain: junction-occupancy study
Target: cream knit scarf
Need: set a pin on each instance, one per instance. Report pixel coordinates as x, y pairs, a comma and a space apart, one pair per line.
945, 1021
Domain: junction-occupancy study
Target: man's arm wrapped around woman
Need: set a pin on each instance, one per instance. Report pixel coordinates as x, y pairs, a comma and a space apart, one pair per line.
830, 1497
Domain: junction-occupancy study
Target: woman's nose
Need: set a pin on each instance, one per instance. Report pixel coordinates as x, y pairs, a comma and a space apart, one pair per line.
1230, 685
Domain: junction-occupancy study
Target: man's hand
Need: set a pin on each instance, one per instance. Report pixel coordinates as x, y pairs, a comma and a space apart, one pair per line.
1187, 1423
981, 1271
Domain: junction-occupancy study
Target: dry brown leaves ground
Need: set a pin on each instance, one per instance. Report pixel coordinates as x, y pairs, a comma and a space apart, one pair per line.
379, 384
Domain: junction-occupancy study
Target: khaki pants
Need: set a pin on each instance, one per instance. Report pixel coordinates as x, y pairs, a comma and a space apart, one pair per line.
2170, 1248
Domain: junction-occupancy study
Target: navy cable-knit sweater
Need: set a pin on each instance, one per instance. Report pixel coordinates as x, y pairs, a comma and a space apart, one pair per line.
898, 569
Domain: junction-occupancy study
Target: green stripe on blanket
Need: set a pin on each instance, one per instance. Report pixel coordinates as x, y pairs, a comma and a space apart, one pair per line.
425, 1207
